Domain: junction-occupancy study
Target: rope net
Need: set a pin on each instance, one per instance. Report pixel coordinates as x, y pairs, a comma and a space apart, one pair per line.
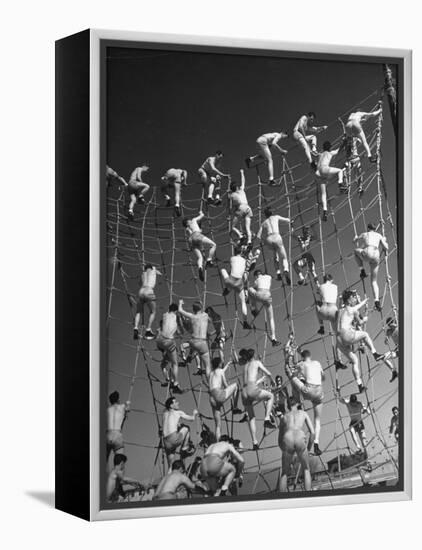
156, 236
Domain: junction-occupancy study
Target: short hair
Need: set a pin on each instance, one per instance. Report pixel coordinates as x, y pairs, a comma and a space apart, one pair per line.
216, 362
114, 397
178, 465
346, 295
326, 146
220, 153
169, 402
148, 266
257, 272
395, 408
305, 354
353, 398
371, 227
210, 309
119, 458
311, 113
173, 307
268, 212
224, 437
251, 353
327, 277
196, 306
233, 186
293, 400
278, 377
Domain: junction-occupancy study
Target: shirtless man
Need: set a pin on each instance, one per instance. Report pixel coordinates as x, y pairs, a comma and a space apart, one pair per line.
169, 327
252, 393
291, 440
308, 382
199, 341
174, 178
116, 416
347, 335
219, 332
137, 188
306, 260
146, 296
270, 228
220, 392
173, 482
217, 465
264, 144
260, 293
325, 173
369, 251
241, 210
394, 424
392, 334
235, 281
197, 240
354, 128
113, 175
304, 134
357, 428
327, 308
210, 176
116, 479
175, 436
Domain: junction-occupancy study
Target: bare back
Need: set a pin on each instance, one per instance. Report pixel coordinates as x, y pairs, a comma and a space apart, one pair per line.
371, 238
251, 371
149, 278
115, 415
169, 325
294, 420
171, 483
217, 379
200, 325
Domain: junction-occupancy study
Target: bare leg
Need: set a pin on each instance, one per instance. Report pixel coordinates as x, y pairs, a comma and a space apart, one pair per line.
217, 419
304, 144
304, 460
235, 222
252, 423
266, 154
212, 249
363, 439
252, 299
205, 363
317, 420
153, 309
374, 275
132, 202
286, 461
177, 193
228, 472
270, 314
199, 257
281, 253
242, 299
358, 257
364, 142
248, 229
174, 365
323, 188
354, 437
269, 404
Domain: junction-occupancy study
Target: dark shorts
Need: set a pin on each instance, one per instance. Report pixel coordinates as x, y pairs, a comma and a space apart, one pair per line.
358, 425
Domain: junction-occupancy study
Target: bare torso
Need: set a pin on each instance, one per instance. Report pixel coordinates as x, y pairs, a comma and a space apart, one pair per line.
217, 379
149, 278
329, 292
251, 372
169, 325
370, 238
115, 415
346, 317
221, 449
271, 225
200, 325
171, 421
171, 483
238, 198
294, 420
193, 227
136, 175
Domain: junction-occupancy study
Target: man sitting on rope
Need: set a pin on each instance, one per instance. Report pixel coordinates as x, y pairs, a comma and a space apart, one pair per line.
394, 424
325, 173
327, 308
306, 260
252, 393
220, 392
146, 296
264, 144
370, 252
348, 335
116, 416
210, 176
199, 341
169, 326
174, 481
112, 175
291, 440
176, 436
274, 241
304, 134
235, 281
220, 331
308, 382
241, 211
137, 188
356, 426
116, 479
260, 293
174, 178
221, 464
354, 128
197, 240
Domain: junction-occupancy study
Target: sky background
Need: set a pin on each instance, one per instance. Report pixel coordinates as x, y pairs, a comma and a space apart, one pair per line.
173, 109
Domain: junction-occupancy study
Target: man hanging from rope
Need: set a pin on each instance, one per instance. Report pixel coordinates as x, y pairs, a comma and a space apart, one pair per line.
394, 424
175, 435
116, 415
197, 240
253, 393
137, 188
348, 335
325, 173
353, 165
354, 128
220, 392
260, 293
264, 144
219, 331
169, 327
307, 380
116, 479
112, 175
174, 178
235, 281
369, 251
274, 241
241, 211
172, 483
146, 296
357, 428
304, 134
221, 465
210, 176
292, 440
199, 341
327, 307
306, 260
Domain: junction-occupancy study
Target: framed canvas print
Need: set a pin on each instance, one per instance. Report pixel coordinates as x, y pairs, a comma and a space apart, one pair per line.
233, 275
